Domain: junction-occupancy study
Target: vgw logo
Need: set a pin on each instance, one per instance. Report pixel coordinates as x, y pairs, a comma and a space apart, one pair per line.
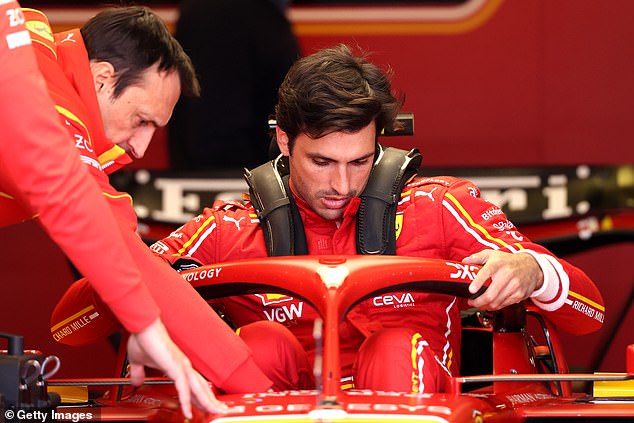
284, 313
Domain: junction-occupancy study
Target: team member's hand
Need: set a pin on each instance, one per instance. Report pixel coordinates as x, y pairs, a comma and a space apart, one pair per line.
153, 347
514, 277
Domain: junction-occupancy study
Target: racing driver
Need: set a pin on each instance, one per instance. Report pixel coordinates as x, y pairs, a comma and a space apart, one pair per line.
113, 83
331, 108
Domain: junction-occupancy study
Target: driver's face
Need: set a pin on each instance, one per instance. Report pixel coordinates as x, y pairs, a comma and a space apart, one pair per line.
328, 172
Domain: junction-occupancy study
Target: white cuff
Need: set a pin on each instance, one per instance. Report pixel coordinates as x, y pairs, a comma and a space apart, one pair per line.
550, 287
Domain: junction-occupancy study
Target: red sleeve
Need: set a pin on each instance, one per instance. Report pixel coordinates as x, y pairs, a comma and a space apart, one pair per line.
43, 173
195, 240
569, 298
211, 236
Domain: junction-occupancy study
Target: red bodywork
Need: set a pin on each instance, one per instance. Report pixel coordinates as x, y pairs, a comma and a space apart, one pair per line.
520, 387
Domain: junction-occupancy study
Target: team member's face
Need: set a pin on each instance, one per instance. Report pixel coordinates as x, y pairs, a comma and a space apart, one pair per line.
131, 119
328, 172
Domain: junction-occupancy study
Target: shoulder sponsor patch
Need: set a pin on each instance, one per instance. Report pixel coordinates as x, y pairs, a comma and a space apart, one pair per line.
40, 28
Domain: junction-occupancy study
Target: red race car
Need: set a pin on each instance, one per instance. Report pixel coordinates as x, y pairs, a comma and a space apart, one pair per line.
513, 368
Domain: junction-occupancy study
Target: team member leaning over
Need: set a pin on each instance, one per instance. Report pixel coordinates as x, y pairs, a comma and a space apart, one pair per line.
113, 83
331, 108
41, 174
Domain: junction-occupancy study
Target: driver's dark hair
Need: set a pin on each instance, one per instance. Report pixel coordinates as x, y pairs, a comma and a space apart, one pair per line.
133, 39
334, 90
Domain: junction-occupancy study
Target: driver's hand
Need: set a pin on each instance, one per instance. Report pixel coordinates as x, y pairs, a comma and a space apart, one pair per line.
514, 277
153, 347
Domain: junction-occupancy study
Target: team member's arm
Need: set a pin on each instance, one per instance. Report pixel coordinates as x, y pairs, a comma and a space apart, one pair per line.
213, 348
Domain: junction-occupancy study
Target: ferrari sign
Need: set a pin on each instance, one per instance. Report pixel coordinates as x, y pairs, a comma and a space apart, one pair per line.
525, 195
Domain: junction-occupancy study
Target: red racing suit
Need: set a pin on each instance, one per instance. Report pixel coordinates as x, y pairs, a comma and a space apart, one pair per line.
440, 217
41, 174
215, 351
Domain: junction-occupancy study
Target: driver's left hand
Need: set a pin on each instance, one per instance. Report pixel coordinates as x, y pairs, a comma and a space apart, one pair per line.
514, 277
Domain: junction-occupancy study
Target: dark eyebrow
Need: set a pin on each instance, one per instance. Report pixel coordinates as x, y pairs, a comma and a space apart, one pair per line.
328, 159
367, 156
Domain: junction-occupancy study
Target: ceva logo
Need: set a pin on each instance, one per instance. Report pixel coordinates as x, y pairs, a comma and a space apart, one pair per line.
396, 300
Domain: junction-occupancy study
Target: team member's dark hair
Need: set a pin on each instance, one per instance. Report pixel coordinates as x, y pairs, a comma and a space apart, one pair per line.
133, 39
335, 91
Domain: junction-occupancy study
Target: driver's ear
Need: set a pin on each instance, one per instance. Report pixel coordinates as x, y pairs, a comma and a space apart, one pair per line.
103, 75
282, 141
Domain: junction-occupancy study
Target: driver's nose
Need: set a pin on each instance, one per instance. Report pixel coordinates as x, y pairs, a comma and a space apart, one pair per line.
340, 181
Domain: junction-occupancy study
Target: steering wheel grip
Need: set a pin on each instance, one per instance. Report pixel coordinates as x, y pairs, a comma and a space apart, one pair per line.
480, 291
